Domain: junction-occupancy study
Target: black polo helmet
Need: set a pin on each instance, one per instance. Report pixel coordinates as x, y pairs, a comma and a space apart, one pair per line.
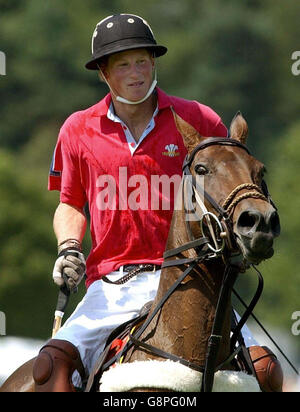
122, 32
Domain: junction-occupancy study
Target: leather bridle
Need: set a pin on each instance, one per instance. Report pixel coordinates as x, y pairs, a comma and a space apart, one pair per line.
220, 239
223, 213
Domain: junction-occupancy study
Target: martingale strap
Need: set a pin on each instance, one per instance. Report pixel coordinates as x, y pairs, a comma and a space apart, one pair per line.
163, 354
215, 338
175, 358
189, 245
249, 309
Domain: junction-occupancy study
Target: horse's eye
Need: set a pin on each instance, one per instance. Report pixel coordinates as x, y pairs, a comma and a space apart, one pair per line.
201, 169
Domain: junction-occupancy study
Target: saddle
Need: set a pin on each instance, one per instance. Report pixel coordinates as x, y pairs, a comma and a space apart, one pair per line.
114, 345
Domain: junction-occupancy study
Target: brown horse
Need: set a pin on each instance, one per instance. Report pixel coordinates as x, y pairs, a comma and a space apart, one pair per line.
182, 326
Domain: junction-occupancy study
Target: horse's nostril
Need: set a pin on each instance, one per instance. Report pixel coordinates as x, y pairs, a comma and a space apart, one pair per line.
275, 224
247, 221
252, 221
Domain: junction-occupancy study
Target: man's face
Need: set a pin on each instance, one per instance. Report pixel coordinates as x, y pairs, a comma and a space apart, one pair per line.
129, 73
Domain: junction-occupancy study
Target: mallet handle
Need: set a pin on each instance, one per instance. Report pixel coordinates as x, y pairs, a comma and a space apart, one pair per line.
62, 302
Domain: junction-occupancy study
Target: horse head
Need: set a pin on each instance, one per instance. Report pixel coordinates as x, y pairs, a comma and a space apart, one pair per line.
234, 180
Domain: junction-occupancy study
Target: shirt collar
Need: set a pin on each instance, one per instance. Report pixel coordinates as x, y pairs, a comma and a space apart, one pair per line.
112, 115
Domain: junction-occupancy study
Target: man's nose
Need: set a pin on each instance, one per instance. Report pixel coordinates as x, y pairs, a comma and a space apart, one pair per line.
134, 69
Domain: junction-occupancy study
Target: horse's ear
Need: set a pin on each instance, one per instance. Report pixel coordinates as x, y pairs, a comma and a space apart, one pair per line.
190, 135
239, 128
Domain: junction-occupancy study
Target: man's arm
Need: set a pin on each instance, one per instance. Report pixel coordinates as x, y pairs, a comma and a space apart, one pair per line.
69, 223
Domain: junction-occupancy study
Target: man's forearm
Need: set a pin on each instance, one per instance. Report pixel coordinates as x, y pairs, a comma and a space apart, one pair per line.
69, 223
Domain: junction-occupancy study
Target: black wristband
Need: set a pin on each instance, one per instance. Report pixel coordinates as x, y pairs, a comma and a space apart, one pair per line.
69, 244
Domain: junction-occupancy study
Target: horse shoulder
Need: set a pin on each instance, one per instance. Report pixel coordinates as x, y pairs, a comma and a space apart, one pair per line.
21, 380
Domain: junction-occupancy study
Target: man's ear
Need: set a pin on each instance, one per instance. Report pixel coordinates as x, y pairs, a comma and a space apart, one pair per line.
101, 78
102, 73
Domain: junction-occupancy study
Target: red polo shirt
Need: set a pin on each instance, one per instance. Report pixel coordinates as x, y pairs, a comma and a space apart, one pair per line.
130, 195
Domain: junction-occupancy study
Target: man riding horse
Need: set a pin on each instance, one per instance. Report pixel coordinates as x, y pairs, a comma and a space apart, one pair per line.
101, 154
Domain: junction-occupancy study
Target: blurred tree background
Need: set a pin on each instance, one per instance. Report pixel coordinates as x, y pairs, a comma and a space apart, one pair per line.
231, 55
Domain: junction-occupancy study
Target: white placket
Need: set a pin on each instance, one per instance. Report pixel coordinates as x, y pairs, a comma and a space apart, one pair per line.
132, 144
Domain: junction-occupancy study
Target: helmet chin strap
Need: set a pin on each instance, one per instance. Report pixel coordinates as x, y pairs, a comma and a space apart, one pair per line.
126, 101
152, 87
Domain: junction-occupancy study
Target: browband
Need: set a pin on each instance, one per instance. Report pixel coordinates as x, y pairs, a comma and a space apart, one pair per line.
211, 141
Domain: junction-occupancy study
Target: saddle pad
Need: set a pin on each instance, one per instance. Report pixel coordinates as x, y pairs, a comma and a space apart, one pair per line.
172, 376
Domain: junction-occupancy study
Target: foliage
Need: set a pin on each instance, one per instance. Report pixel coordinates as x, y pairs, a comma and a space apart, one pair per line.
28, 246
282, 272
229, 55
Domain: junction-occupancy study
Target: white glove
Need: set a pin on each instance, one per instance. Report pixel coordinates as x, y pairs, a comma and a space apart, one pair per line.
73, 268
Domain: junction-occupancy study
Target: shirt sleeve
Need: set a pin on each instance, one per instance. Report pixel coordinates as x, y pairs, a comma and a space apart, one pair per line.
65, 170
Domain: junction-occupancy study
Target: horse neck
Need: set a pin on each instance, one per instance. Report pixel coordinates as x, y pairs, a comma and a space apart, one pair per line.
186, 319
